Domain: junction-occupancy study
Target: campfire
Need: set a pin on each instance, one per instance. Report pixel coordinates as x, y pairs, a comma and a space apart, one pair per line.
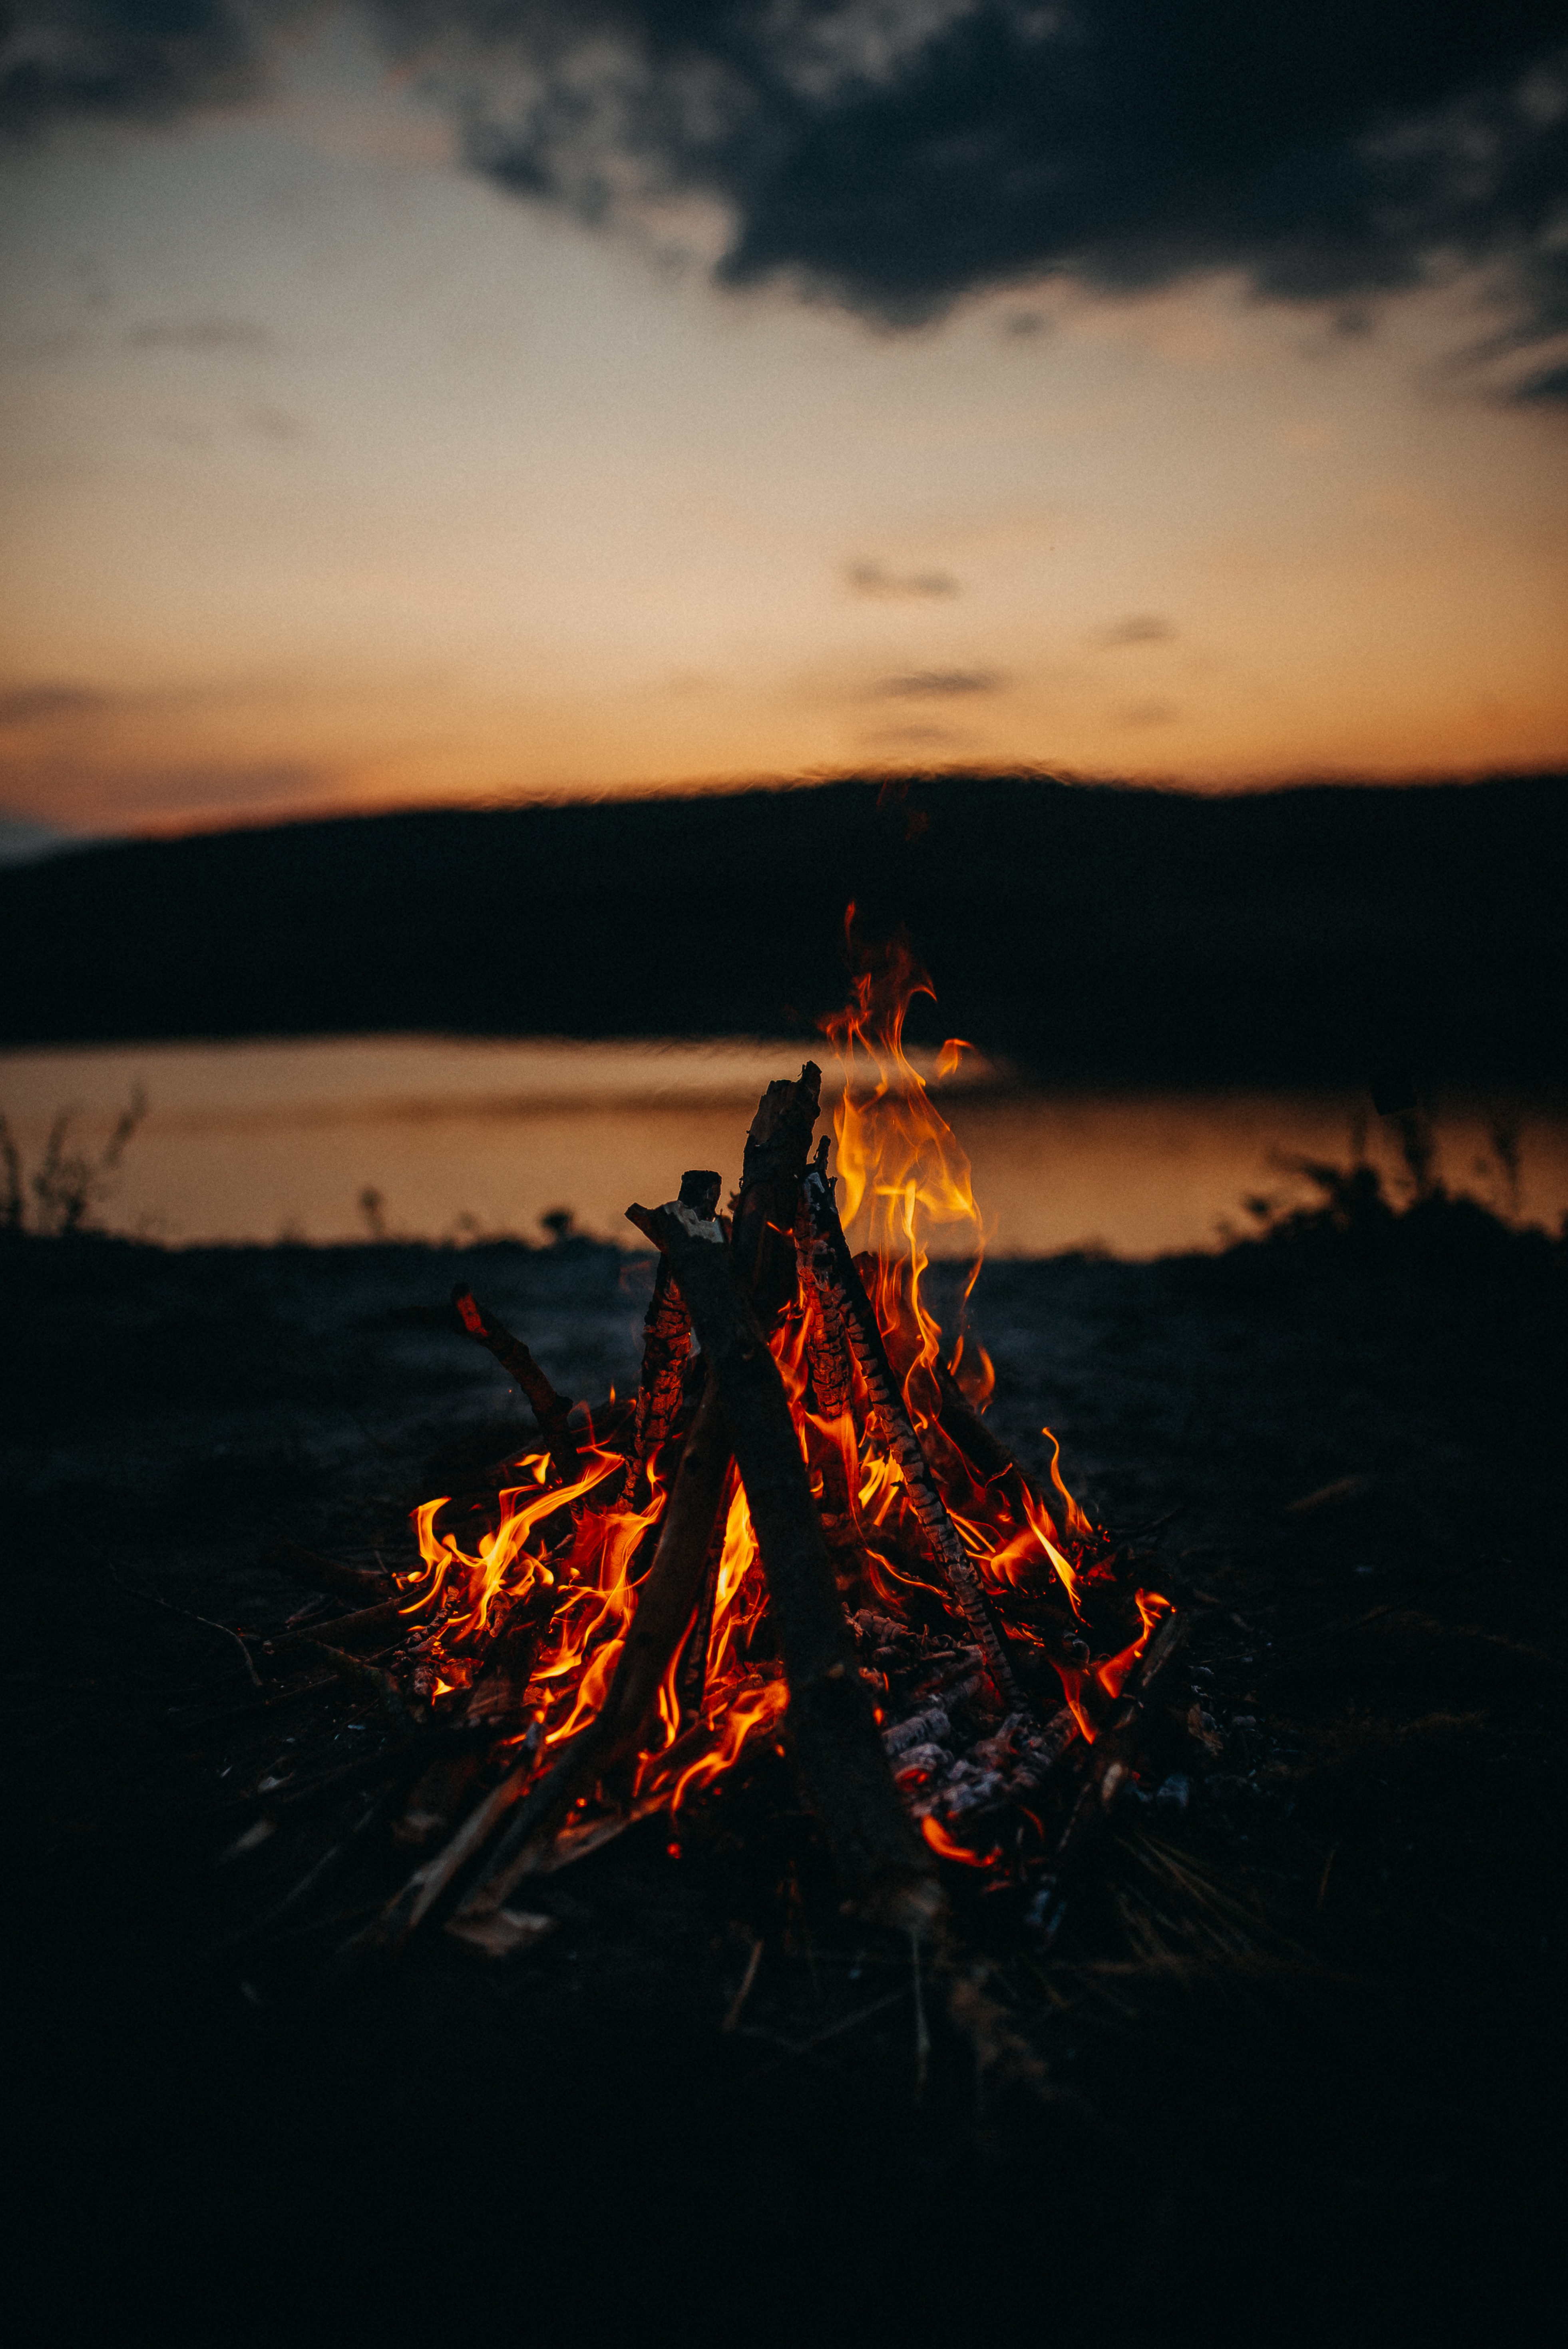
798, 1538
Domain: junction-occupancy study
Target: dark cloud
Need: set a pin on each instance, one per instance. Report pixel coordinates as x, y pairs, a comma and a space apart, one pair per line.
144, 60
941, 684
198, 334
890, 586
1138, 629
33, 704
895, 158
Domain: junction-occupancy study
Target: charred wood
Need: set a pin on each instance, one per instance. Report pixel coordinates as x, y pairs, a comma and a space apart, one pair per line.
666, 1605
834, 1271
886, 1869
495, 1701
827, 1341
777, 1149
551, 1411
388, 1615
311, 1571
667, 1347
1107, 1766
388, 1931
368, 1679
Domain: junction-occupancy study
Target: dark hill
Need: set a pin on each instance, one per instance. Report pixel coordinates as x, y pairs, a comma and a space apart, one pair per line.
1096, 933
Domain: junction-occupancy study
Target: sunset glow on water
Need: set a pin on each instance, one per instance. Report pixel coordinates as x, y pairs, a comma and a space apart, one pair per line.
460, 1138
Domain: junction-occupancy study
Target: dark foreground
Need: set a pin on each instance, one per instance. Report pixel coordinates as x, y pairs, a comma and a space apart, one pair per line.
1301, 2035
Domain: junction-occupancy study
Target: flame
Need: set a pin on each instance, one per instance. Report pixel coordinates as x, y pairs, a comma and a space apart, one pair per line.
943, 1845
555, 1573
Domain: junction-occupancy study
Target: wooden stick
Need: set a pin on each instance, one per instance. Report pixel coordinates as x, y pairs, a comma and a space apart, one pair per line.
666, 1600
1108, 1762
494, 1699
312, 1572
550, 1409
168, 1607
667, 1347
777, 1149
833, 1269
355, 1627
962, 1424
367, 1678
692, 1681
885, 1867
388, 1931
827, 1343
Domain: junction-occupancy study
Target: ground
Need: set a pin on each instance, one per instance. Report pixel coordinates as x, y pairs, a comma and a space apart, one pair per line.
1297, 2037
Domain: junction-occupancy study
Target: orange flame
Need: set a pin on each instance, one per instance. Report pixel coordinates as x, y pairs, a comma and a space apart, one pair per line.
565, 1562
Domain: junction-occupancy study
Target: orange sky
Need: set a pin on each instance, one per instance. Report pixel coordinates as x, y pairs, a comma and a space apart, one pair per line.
334, 477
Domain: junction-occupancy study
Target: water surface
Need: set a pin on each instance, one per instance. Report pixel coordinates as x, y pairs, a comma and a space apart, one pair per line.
262, 1141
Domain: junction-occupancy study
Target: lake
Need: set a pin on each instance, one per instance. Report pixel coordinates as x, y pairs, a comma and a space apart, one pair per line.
457, 1137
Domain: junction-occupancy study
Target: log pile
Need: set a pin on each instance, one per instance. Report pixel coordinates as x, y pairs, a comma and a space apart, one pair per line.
800, 1538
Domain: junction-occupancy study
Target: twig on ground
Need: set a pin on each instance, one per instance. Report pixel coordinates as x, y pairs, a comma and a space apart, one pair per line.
152, 1599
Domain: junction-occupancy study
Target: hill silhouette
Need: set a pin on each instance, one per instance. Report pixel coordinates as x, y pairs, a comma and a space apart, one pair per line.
1095, 934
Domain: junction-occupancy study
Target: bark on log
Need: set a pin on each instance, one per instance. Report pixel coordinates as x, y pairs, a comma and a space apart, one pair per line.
827, 1341
667, 1347
834, 1271
666, 1331
884, 1867
550, 1409
777, 1149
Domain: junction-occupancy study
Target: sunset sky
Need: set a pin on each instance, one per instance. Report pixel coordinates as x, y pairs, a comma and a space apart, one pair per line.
363, 446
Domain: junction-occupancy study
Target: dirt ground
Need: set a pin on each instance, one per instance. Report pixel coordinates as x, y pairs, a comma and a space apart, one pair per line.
1299, 2037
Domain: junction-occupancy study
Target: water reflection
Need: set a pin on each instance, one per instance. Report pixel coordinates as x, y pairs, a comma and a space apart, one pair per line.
456, 1137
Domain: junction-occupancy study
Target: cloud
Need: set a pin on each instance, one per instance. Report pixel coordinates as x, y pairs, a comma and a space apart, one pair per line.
122, 59
895, 158
34, 705
910, 586
910, 737
1138, 629
198, 334
941, 684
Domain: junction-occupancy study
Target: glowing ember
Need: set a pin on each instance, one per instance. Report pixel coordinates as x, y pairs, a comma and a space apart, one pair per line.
969, 1589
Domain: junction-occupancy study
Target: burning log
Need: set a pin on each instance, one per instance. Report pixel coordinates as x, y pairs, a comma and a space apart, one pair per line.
1108, 1770
839, 1284
667, 1330
827, 1341
388, 1614
667, 1601
495, 1701
777, 1149
833, 1729
652, 1680
552, 1412
692, 1683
